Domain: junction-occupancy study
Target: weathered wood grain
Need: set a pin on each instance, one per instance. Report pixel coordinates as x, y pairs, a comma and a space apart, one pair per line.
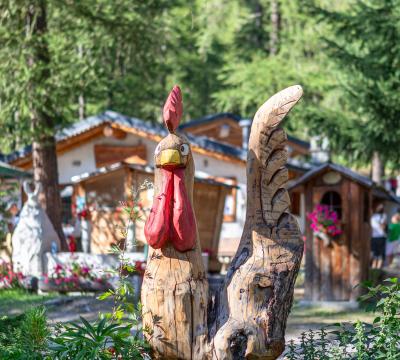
248, 318
174, 292
257, 295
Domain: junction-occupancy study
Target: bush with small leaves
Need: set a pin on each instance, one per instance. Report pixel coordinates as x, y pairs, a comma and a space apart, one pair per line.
116, 335
24, 336
359, 341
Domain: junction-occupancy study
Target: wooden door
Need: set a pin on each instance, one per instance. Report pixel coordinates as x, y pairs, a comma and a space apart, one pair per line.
330, 261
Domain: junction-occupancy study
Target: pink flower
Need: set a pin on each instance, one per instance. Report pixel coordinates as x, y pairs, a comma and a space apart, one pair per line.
324, 218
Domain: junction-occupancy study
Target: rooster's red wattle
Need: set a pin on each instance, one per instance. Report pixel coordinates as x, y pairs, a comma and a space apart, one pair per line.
172, 217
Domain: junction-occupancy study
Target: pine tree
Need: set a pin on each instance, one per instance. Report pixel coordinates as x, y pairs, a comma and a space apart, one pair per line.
274, 45
364, 44
53, 52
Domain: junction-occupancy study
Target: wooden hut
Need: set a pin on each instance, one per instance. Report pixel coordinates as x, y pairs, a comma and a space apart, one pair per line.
333, 270
104, 189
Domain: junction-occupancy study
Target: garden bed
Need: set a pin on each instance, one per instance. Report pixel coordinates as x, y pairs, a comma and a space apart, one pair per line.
52, 285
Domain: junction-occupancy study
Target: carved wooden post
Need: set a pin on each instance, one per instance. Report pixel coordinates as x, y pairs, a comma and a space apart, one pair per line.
248, 318
174, 292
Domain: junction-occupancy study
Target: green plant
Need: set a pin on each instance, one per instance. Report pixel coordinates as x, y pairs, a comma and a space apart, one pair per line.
98, 341
115, 335
358, 341
35, 330
124, 291
24, 336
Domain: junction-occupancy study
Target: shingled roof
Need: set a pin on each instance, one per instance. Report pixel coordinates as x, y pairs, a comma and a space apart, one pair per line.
363, 180
377, 190
210, 118
151, 128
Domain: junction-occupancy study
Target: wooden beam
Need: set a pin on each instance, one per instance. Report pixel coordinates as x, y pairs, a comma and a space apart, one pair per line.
109, 131
66, 145
200, 128
194, 148
111, 154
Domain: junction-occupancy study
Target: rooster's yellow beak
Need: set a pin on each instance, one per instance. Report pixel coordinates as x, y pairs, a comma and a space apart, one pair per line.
170, 157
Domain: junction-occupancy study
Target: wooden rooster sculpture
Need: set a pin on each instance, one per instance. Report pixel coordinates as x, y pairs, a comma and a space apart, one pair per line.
247, 319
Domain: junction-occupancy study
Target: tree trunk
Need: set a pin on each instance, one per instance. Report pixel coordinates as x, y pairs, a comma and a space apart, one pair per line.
45, 171
81, 98
275, 24
44, 156
247, 319
258, 22
81, 104
378, 168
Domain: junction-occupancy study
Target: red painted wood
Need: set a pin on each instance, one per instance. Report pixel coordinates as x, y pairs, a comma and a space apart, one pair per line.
158, 225
173, 109
184, 231
172, 217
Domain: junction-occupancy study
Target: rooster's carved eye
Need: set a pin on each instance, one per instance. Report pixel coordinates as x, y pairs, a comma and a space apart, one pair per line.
184, 149
158, 149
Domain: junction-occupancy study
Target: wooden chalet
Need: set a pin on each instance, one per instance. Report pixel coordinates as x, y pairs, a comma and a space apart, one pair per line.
100, 189
101, 157
232, 130
333, 270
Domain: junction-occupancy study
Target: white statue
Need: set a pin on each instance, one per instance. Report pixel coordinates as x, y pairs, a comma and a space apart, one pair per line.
34, 235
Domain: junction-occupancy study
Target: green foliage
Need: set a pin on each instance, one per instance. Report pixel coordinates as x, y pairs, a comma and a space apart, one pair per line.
24, 336
363, 43
253, 73
52, 52
114, 335
97, 341
123, 292
379, 340
125, 55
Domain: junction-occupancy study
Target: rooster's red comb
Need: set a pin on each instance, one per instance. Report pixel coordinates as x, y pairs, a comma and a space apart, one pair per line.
173, 109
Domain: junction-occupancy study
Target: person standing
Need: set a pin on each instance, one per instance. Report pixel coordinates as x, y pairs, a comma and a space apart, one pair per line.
378, 240
393, 240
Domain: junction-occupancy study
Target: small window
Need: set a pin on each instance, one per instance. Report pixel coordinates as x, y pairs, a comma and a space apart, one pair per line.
66, 203
334, 201
66, 209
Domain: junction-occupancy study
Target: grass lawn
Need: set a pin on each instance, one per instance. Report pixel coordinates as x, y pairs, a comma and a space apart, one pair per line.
64, 307
16, 301
305, 318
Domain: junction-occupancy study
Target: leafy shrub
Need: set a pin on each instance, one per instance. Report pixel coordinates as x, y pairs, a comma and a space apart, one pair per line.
116, 335
102, 340
24, 336
379, 340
